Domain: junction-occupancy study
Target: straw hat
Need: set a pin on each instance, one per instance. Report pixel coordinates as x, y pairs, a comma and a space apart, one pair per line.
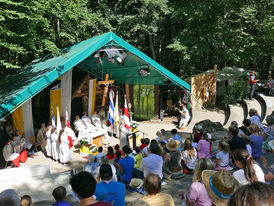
173, 145
219, 185
136, 183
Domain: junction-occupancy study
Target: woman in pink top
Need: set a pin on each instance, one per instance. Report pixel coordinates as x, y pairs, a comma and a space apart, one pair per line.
203, 147
197, 194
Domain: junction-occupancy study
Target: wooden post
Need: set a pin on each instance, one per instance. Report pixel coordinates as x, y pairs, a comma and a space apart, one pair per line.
106, 83
156, 102
215, 70
134, 140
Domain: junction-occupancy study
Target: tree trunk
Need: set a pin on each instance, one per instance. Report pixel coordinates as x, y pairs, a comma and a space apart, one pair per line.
152, 47
147, 104
139, 100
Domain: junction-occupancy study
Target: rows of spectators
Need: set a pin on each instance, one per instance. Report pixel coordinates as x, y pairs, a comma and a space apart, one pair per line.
230, 175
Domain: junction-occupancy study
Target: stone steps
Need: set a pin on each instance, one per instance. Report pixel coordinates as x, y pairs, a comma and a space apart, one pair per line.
238, 112
253, 104
268, 104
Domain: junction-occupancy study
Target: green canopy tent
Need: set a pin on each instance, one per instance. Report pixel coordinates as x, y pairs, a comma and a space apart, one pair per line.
17, 88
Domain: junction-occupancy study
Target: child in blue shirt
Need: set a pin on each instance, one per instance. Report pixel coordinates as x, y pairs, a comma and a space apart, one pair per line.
59, 194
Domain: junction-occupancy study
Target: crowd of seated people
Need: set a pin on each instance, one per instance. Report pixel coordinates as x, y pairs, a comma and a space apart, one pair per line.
231, 175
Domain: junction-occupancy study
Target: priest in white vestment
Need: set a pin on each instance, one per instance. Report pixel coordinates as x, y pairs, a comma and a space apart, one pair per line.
99, 126
64, 153
78, 125
85, 118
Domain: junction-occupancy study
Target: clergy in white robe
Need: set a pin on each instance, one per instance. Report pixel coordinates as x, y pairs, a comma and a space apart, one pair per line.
99, 126
85, 118
64, 153
48, 145
78, 125
54, 144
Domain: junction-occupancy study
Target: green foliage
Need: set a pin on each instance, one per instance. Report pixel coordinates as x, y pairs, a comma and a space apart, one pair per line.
31, 29
226, 33
235, 93
143, 101
185, 36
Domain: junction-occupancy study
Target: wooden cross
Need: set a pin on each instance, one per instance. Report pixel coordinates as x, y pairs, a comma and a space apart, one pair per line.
106, 83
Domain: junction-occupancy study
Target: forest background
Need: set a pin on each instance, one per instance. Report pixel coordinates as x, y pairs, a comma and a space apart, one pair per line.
185, 36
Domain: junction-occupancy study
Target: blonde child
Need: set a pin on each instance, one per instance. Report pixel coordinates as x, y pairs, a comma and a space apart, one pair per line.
189, 156
158, 136
222, 157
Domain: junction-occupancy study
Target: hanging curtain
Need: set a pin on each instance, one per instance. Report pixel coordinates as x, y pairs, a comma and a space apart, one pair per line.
55, 99
66, 86
17, 119
92, 96
28, 119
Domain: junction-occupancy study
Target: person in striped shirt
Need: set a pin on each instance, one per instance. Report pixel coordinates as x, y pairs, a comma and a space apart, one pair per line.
152, 185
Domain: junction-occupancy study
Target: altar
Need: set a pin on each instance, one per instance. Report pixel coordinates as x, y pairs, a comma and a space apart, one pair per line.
93, 137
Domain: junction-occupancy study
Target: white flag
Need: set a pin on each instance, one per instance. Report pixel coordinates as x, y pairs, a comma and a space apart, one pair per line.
58, 126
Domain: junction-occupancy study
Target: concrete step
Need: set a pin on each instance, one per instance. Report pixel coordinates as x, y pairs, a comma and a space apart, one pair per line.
254, 104
236, 113
268, 104
38, 187
18, 173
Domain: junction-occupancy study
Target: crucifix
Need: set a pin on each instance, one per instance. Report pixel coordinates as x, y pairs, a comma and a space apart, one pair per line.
106, 83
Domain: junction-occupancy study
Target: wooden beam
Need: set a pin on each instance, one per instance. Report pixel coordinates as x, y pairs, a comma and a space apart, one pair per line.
106, 82
75, 94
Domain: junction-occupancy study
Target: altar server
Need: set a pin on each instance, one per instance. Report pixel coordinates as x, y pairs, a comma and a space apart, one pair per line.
48, 145
54, 144
64, 153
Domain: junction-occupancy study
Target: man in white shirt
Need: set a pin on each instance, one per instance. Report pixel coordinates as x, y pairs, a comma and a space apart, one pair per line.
254, 117
184, 117
153, 163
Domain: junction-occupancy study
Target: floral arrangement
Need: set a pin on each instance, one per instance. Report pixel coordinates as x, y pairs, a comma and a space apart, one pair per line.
84, 142
87, 148
134, 124
93, 148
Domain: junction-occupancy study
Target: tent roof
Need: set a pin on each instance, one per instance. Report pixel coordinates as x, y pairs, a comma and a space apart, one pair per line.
17, 88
